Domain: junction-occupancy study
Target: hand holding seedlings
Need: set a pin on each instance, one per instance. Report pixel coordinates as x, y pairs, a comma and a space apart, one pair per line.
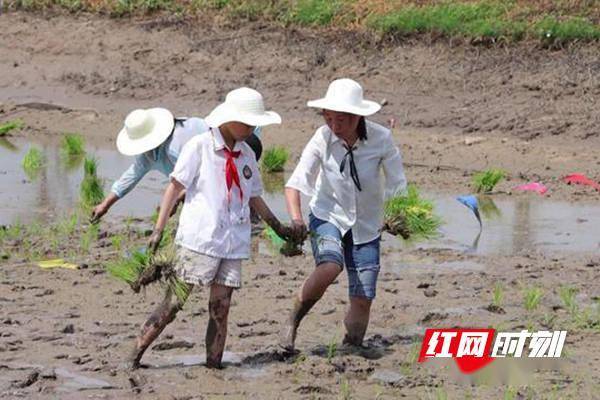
154, 241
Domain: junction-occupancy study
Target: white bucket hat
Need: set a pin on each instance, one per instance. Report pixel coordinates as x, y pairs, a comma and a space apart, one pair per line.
242, 105
346, 95
145, 130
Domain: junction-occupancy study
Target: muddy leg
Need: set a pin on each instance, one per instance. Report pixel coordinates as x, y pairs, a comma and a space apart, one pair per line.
312, 290
357, 320
158, 320
216, 332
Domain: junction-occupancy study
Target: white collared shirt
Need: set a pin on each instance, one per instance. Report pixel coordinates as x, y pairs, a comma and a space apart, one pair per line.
210, 223
335, 198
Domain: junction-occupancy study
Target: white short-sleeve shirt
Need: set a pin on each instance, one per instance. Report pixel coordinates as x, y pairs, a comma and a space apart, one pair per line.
211, 222
335, 197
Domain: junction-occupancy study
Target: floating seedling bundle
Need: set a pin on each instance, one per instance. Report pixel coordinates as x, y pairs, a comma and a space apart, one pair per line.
274, 159
411, 216
140, 270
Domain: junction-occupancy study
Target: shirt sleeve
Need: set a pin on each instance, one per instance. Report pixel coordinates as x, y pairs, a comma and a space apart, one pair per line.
305, 175
188, 164
395, 180
131, 176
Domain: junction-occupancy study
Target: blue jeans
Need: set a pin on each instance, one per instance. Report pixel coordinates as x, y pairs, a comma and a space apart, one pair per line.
361, 260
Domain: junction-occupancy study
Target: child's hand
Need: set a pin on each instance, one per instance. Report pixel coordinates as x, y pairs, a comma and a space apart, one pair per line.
154, 241
299, 231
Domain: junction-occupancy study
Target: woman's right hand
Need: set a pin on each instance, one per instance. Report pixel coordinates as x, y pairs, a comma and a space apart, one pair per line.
98, 212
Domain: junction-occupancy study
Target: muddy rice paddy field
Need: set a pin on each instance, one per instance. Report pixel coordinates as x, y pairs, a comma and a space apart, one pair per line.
459, 109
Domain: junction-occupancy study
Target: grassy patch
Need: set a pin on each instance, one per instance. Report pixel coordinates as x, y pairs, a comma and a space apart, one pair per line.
6, 127
274, 159
91, 192
411, 216
486, 181
73, 145
32, 162
551, 22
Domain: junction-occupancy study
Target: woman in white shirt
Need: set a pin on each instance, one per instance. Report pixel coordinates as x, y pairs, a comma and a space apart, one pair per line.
341, 169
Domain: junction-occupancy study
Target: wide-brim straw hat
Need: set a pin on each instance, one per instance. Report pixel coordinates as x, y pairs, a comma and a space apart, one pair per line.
145, 130
242, 105
346, 95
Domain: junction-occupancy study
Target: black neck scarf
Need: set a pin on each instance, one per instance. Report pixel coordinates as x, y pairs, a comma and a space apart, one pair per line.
353, 172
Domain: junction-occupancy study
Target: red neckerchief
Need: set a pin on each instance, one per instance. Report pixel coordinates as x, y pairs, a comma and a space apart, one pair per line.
231, 173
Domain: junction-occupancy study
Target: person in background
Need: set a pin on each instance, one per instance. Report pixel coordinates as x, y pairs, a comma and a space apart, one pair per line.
155, 137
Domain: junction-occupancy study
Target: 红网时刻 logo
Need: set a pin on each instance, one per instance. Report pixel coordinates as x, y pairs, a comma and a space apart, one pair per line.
472, 348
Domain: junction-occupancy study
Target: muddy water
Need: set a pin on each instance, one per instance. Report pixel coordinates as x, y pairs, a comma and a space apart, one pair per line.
55, 189
511, 224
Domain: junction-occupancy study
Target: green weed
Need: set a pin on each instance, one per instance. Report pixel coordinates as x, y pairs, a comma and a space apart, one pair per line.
274, 159
486, 181
117, 241
315, 12
409, 362
9, 126
411, 215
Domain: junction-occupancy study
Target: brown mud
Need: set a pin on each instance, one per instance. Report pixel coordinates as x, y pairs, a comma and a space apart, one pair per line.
459, 109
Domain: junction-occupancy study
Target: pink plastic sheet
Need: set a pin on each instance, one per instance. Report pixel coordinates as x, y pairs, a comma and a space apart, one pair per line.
537, 187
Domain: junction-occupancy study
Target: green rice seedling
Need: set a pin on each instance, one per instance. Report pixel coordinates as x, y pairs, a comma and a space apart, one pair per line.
32, 162
274, 159
441, 394
411, 216
406, 367
567, 295
73, 145
486, 181
91, 191
345, 390
117, 241
287, 248
88, 236
510, 393
331, 349
498, 295
532, 297
128, 269
9, 126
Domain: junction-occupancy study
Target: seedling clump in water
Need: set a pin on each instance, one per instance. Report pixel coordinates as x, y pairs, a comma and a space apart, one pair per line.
91, 186
32, 162
274, 159
73, 145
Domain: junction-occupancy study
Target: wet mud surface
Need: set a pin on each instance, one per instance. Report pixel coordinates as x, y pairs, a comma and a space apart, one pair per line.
63, 333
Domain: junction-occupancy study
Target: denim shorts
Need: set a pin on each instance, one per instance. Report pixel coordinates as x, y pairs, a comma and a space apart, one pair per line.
361, 260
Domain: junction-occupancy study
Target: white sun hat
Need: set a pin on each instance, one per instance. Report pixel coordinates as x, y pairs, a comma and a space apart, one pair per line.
346, 95
145, 130
242, 105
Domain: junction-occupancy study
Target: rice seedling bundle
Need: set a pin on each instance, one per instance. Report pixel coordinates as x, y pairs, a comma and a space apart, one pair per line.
73, 145
411, 216
32, 162
9, 126
91, 187
287, 248
487, 180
